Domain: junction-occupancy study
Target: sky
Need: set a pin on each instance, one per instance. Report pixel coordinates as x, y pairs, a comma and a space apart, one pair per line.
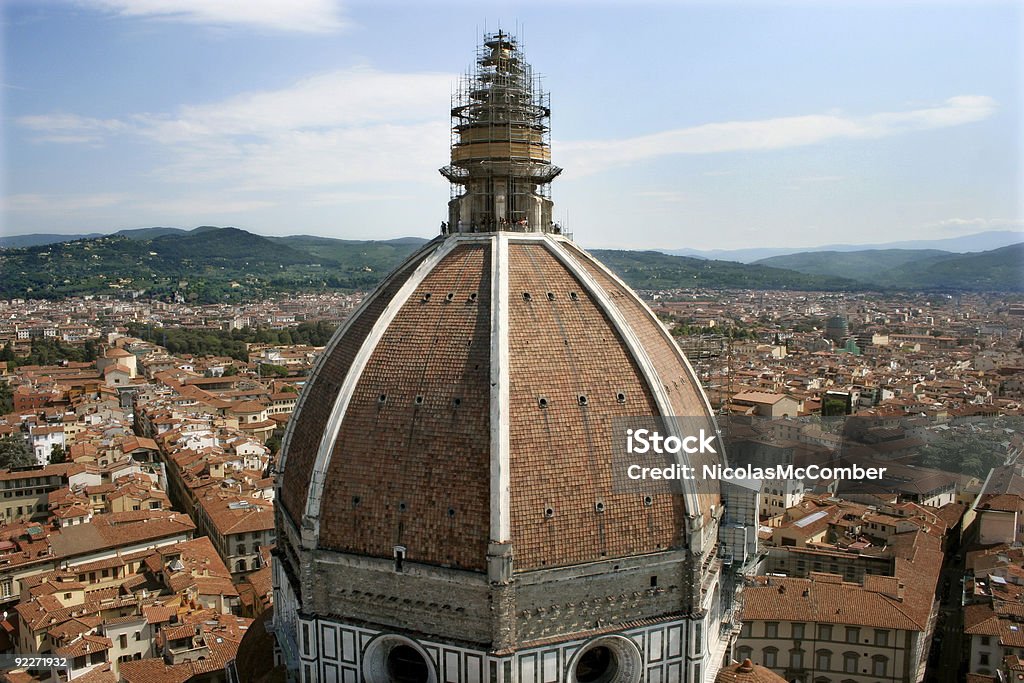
679, 124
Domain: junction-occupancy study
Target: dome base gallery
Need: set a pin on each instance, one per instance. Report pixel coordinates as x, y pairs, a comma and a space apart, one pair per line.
432, 525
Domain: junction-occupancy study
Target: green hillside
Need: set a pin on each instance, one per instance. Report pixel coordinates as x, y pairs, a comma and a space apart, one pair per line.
221, 264
928, 269
996, 270
209, 264
360, 264
866, 265
655, 270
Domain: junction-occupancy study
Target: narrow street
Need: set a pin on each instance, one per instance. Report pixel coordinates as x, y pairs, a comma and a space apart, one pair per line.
946, 661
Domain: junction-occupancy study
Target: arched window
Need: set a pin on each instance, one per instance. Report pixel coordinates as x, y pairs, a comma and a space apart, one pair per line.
850, 662
823, 660
744, 652
770, 657
240, 566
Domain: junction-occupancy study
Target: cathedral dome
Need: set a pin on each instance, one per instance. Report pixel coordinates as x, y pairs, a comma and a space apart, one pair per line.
470, 401
451, 499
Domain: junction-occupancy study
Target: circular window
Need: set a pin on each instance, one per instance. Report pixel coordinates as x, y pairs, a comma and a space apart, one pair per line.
406, 665
612, 659
394, 659
597, 665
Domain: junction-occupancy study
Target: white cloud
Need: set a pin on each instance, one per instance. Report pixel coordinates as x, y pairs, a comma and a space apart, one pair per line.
60, 203
336, 198
349, 126
308, 16
821, 178
958, 224
349, 97
186, 205
70, 128
591, 156
663, 196
201, 205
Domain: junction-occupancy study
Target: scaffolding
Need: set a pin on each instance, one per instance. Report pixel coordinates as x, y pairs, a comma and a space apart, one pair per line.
500, 170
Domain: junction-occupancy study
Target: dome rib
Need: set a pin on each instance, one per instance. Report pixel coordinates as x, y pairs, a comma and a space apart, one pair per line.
325, 377
330, 433
665, 354
501, 486
410, 466
646, 311
636, 350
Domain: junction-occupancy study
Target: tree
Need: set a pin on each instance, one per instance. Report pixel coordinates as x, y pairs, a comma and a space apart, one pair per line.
15, 452
267, 369
57, 454
6, 398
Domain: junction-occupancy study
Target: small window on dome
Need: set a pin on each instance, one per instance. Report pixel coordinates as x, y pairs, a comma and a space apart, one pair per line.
383, 398
599, 506
582, 399
399, 555
648, 501
551, 296
419, 400
402, 507
449, 296
426, 297
542, 402
574, 296
451, 512
456, 402
549, 512
620, 397
527, 297
472, 296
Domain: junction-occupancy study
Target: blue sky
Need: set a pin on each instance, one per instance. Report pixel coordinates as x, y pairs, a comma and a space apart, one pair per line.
678, 124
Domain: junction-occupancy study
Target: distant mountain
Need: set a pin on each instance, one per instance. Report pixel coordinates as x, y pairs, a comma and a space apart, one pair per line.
206, 264
996, 269
211, 264
41, 239
38, 239
150, 233
361, 254
741, 255
655, 270
866, 266
982, 241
